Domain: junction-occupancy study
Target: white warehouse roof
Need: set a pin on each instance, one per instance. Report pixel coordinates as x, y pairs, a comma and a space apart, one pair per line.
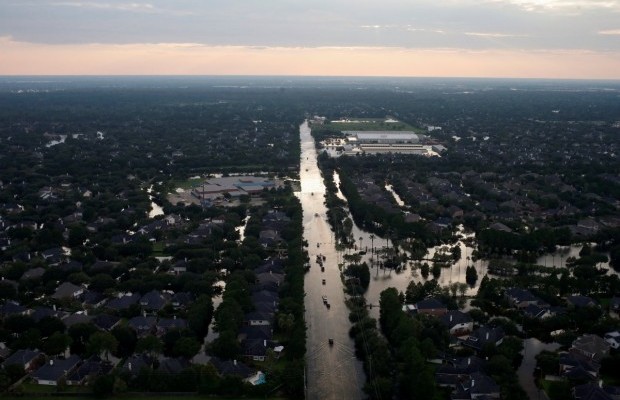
383, 135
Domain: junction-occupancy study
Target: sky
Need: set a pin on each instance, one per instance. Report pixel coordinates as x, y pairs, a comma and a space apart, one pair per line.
435, 38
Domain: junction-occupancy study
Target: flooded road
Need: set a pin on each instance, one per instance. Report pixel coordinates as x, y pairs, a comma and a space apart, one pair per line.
332, 371
531, 348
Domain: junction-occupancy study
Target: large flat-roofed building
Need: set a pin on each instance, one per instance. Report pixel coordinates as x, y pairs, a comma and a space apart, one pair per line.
401, 148
382, 137
235, 186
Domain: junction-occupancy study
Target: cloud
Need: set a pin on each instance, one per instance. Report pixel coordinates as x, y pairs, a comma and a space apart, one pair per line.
412, 29
609, 32
574, 7
494, 34
188, 58
134, 7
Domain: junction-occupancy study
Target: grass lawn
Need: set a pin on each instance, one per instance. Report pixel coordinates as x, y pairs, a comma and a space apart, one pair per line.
158, 249
186, 184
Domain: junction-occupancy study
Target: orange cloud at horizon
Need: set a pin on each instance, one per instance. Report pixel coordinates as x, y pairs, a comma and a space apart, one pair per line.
22, 58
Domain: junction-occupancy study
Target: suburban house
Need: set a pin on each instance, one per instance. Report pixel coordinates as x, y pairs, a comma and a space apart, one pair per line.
521, 298
457, 322
591, 347
577, 301
24, 358
90, 369
577, 368
613, 339
483, 336
67, 290
477, 386
55, 369
429, 306
257, 318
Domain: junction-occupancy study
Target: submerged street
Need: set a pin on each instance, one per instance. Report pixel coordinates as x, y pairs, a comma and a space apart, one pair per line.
332, 370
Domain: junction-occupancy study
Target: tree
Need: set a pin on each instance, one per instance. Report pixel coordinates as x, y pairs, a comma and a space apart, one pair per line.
126, 340
186, 347
80, 333
199, 315
102, 342
150, 345
57, 343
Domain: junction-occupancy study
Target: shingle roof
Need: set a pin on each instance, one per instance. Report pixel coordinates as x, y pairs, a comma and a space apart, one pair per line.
56, 368
453, 318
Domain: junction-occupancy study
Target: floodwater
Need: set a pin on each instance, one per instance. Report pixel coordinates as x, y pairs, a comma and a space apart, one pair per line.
332, 371
156, 209
531, 348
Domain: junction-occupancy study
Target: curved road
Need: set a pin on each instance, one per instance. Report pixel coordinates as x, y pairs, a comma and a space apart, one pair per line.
332, 371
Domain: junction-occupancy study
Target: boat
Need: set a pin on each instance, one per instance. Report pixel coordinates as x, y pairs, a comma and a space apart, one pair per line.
330, 341
324, 299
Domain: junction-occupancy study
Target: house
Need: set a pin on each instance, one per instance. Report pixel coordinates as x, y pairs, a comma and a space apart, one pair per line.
257, 318
167, 324
591, 347
498, 226
592, 391
12, 308
258, 332
254, 349
55, 369
231, 367
178, 268
269, 279
483, 336
181, 300
613, 338
153, 301
24, 358
578, 301
521, 298
135, 363
269, 237
105, 321
89, 370
142, 325
77, 318
457, 322
93, 299
123, 301
173, 365
454, 371
33, 273
577, 368
67, 290
614, 304
535, 311
431, 306
477, 386
42, 312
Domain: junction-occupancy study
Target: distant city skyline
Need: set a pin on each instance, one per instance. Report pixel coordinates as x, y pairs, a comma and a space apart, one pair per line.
449, 38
